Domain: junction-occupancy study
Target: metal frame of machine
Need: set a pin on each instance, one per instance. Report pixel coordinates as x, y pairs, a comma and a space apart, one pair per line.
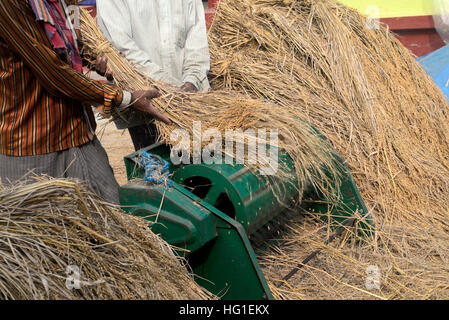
210, 213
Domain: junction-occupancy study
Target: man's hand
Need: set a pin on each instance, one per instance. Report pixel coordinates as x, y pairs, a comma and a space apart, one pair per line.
101, 66
189, 87
142, 102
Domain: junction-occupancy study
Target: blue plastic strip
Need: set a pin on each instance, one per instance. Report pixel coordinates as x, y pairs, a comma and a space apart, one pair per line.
156, 169
437, 66
87, 3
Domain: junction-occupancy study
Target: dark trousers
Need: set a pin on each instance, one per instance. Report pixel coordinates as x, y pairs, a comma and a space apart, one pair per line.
143, 136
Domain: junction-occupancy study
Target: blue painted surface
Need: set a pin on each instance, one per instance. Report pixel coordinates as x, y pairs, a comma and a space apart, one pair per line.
437, 66
87, 3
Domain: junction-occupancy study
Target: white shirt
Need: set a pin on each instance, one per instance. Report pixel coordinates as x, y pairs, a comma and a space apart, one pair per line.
167, 39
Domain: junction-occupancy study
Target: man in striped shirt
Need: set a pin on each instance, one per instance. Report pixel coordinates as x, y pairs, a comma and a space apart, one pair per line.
45, 126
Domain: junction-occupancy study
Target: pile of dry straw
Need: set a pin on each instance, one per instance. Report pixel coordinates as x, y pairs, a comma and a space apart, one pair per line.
318, 60
364, 91
51, 229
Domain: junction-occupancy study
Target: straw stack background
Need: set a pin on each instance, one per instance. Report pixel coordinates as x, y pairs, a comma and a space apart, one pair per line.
51, 224
221, 111
364, 91
318, 60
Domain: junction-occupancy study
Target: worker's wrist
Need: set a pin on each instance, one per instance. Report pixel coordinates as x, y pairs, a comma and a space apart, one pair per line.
192, 81
127, 99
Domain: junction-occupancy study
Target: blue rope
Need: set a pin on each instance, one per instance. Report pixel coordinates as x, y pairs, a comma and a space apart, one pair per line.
156, 169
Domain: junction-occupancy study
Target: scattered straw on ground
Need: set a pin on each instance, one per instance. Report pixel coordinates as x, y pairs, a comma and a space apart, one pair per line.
50, 228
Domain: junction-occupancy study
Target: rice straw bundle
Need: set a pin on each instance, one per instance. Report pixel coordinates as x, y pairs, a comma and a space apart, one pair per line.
366, 93
51, 229
223, 111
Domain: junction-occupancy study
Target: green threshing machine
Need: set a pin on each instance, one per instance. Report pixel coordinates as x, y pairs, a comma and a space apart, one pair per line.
214, 213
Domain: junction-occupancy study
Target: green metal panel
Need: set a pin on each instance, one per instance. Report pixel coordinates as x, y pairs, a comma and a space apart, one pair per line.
181, 221
251, 197
219, 251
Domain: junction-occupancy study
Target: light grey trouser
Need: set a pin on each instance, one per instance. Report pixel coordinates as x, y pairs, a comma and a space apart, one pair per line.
88, 163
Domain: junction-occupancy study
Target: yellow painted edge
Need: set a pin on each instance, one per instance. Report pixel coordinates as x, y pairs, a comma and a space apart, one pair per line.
392, 8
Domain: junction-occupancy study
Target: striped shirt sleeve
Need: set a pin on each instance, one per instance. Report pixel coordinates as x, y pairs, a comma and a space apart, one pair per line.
56, 76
